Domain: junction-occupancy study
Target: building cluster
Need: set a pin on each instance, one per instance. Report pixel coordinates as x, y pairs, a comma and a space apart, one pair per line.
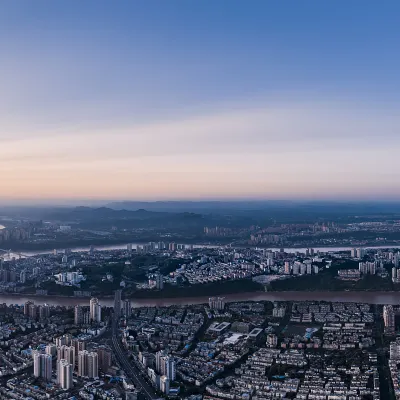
394, 362
208, 270
312, 359
70, 354
36, 312
73, 278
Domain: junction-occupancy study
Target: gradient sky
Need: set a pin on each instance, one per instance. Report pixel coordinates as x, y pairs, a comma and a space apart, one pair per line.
194, 99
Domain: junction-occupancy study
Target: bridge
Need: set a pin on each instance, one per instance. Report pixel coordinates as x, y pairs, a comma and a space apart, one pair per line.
9, 252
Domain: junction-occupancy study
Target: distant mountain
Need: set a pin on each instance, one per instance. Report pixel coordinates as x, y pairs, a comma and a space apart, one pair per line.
105, 217
270, 206
198, 206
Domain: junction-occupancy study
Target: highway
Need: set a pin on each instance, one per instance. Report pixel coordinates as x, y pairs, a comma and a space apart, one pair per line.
131, 371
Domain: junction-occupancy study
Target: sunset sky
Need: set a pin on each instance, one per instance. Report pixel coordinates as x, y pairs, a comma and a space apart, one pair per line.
200, 99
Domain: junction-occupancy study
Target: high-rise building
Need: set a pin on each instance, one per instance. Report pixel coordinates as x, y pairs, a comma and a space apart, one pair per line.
44, 311
170, 370
22, 276
367, 267
64, 374
105, 358
296, 268
88, 364
287, 268
95, 310
127, 308
360, 252
164, 384
396, 260
129, 248
172, 247
117, 303
165, 365
66, 353
51, 349
33, 311
42, 365
159, 281
64, 340
160, 355
389, 318
26, 307
78, 345
78, 315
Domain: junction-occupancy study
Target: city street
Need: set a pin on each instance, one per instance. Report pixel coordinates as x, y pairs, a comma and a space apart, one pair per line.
131, 371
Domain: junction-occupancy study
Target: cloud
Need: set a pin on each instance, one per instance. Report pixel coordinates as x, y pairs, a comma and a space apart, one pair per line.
292, 150
266, 129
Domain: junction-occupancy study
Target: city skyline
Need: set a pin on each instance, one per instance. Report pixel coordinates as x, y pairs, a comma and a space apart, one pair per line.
157, 100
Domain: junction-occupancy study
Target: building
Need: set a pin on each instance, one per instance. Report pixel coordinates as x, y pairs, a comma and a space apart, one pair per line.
165, 365
216, 303
127, 308
241, 327
42, 365
159, 281
278, 311
64, 340
131, 395
78, 315
44, 311
51, 349
129, 248
172, 247
159, 356
287, 268
26, 307
389, 318
22, 276
164, 384
95, 310
64, 375
396, 260
88, 365
33, 311
117, 303
66, 353
395, 350
367, 267
360, 253
168, 368
272, 340
105, 358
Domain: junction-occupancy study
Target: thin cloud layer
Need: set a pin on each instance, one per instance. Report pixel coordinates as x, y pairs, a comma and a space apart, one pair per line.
269, 152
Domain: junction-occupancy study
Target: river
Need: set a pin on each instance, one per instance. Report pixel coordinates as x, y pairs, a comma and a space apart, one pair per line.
347, 297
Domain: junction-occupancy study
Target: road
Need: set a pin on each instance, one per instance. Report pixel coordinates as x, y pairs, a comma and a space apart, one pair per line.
131, 371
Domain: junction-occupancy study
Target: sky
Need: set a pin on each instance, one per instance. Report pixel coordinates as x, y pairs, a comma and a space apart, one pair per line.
199, 99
